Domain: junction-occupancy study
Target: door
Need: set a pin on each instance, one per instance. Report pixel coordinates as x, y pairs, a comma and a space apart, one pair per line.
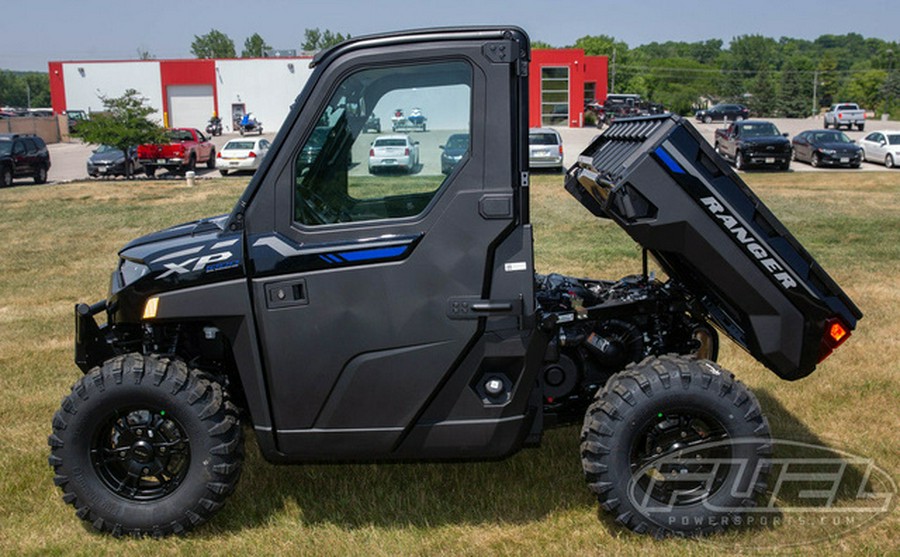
190, 106
21, 162
376, 282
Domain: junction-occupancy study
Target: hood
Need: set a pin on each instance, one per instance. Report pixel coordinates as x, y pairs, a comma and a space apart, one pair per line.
840, 147
107, 157
182, 234
767, 140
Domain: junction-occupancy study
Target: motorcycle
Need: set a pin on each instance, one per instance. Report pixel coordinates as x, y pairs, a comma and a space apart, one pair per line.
215, 126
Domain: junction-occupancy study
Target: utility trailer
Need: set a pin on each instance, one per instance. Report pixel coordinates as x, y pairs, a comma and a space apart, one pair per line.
344, 317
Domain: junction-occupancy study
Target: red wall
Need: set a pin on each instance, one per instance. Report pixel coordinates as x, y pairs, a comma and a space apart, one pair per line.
57, 87
581, 69
186, 72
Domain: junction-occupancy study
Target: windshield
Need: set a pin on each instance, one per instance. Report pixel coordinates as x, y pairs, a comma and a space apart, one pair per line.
238, 145
105, 149
542, 139
458, 142
894, 139
180, 135
5, 147
759, 130
831, 137
390, 143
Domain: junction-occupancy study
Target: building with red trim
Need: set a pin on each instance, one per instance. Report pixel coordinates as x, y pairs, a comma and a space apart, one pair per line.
186, 93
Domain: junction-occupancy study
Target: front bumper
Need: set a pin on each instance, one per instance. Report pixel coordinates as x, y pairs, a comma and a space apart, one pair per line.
91, 345
767, 159
111, 169
840, 159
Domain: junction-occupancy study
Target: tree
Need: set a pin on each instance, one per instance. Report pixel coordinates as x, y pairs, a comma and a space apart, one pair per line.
124, 124
795, 100
541, 45
214, 44
254, 47
24, 89
864, 87
315, 40
144, 54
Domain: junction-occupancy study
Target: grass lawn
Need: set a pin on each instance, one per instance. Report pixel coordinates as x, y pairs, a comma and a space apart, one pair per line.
59, 246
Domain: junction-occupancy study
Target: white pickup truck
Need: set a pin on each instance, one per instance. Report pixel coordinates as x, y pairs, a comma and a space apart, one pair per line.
845, 114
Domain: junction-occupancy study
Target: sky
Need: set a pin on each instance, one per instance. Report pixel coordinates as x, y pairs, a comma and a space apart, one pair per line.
34, 32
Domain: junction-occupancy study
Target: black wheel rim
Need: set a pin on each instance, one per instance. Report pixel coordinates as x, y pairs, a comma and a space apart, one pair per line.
141, 454
678, 443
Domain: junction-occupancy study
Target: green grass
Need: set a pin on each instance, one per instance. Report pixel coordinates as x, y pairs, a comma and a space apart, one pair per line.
59, 245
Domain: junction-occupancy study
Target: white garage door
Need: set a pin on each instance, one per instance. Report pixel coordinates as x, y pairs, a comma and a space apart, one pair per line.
190, 106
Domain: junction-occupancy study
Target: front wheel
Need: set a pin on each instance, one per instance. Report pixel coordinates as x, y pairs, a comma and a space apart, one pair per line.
146, 446
707, 119
860, 127
739, 161
675, 446
211, 161
815, 161
6, 177
150, 171
889, 161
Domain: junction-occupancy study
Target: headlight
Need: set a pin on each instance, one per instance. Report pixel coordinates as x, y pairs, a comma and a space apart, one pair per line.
827, 151
131, 271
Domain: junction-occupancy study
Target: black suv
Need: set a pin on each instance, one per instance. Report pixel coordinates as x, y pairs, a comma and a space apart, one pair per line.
23, 156
732, 112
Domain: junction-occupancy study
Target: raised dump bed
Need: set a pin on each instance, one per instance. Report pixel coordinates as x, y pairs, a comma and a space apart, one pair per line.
663, 183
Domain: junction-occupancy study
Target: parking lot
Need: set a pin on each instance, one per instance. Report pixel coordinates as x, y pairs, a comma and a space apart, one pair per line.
69, 158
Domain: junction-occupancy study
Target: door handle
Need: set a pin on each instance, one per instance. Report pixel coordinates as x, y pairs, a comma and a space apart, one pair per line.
466, 307
286, 294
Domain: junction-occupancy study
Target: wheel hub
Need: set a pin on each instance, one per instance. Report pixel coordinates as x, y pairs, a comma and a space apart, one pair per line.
142, 451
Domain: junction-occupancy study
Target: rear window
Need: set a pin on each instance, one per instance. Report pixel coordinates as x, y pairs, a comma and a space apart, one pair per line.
848, 107
180, 135
543, 139
239, 146
390, 143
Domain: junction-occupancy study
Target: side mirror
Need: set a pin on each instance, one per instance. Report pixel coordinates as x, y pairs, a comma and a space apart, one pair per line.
440, 146
882, 142
785, 134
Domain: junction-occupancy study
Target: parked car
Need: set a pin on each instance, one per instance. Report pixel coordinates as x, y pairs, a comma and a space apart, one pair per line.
732, 112
23, 156
754, 143
453, 151
186, 148
75, 116
242, 154
545, 148
882, 147
845, 114
109, 161
826, 148
393, 151
373, 124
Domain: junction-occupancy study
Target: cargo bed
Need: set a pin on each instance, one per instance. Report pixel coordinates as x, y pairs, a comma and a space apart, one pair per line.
663, 183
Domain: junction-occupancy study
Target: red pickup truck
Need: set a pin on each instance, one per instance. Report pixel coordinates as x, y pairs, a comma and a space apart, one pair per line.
186, 148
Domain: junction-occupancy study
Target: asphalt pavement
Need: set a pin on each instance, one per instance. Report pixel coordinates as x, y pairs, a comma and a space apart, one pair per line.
68, 159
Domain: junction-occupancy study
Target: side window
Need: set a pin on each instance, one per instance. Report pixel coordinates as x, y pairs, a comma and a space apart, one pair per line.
19, 148
345, 175
200, 136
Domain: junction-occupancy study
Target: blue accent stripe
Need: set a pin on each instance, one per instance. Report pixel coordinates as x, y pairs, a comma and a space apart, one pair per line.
324, 258
670, 162
377, 253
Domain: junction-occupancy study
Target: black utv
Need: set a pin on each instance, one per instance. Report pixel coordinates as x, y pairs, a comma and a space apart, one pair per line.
342, 316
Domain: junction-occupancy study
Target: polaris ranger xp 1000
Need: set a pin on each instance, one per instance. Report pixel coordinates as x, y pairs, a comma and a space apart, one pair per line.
346, 316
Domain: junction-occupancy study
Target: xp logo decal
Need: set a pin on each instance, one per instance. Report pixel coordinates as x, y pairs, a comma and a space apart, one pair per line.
218, 261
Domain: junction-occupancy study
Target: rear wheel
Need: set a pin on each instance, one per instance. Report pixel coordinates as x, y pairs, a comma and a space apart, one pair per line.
40, 175
223, 172
149, 171
192, 163
668, 443
145, 446
860, 127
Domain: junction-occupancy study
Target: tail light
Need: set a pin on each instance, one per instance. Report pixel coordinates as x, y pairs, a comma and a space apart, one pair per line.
252, 155
864, 115
840, 115
560, 151
219, 155
371, 152
406, 152
835, 335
